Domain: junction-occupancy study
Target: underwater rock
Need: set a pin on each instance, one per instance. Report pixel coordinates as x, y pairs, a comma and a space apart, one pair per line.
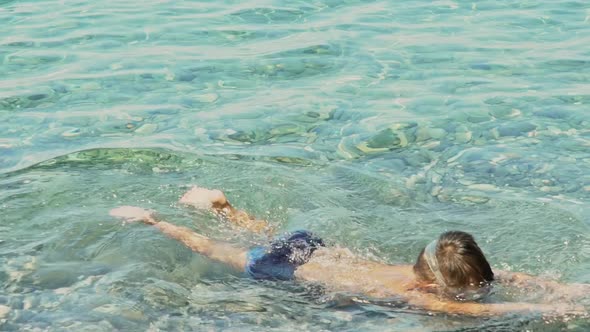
463, 137
483, 187
346, 150
38, 96
252, 136
476, 199
286, 129
117, 310
418, 159
437, 133
146, 129
573, 187
433, 145
208, 98
466, 181
435, 177
12, 103
462, 134
396, 164
422, 134
385, 140
29, 302
478, 118
436, 190
415, 179
71, 133
550, 189
505, 112
4, 311
480, 66
184, 76
90, 86
16, 302
59, 88
553, 113
515, 129
23, 316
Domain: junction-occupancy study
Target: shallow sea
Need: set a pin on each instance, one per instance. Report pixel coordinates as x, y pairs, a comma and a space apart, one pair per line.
376, 124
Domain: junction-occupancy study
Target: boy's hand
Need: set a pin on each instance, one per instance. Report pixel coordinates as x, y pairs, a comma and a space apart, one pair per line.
215, 200
203, 198
133, 213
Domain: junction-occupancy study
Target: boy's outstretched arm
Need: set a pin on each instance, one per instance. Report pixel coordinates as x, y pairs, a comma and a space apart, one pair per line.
524, 281
215, 200
216, 250
431, 302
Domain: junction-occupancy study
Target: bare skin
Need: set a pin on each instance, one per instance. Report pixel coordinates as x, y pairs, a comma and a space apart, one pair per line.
335, 268
215, 200
216, 250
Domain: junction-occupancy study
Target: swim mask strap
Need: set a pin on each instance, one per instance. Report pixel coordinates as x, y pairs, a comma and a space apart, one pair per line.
430, 256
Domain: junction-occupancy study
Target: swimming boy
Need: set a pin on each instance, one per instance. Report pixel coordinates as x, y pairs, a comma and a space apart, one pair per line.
450, 268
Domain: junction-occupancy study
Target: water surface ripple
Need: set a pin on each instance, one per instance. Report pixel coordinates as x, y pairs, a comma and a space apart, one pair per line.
378, 124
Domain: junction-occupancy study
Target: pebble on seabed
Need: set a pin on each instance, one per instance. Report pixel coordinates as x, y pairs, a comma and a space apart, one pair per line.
71, 133
146, 129
483, 187
4, 311
463, 137
208, 97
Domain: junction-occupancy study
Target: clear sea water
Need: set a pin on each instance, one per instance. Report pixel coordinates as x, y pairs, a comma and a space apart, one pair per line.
377, 124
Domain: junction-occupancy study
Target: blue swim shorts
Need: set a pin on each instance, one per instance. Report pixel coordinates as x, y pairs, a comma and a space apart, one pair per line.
283, 256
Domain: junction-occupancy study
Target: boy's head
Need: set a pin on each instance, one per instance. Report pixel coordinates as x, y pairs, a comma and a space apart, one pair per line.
455, 263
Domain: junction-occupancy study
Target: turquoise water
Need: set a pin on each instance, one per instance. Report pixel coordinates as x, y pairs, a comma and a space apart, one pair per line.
377, 124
